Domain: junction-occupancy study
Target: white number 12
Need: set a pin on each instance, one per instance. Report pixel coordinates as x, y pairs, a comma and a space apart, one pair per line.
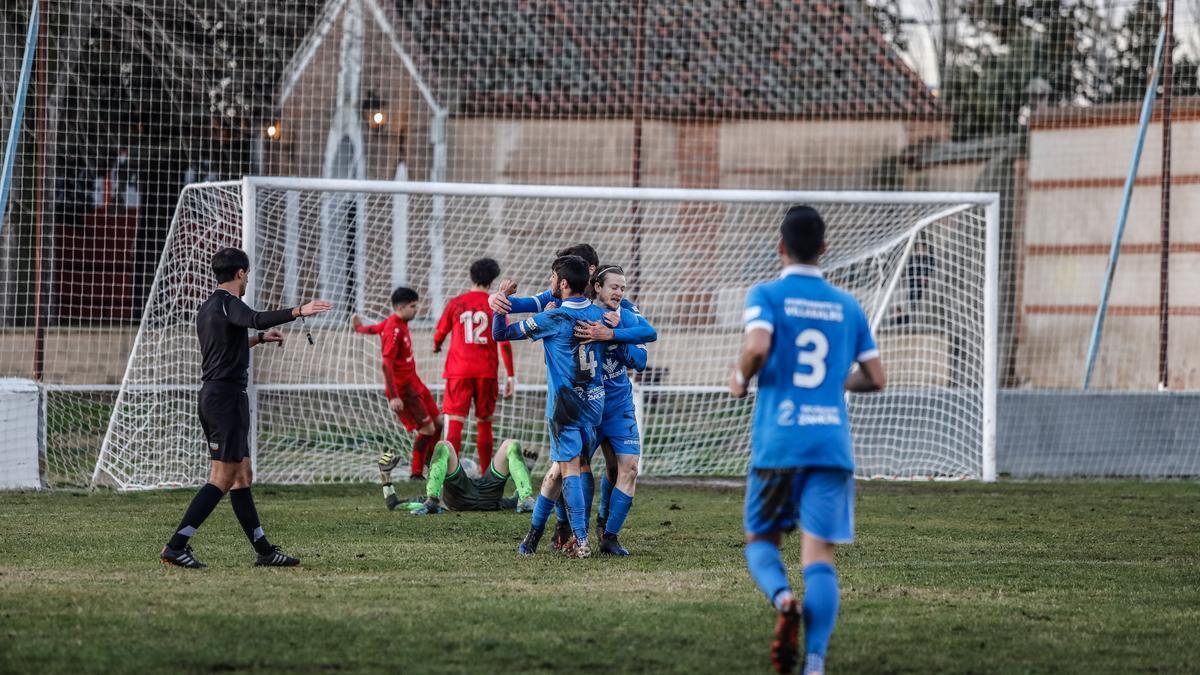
814, 347
473, 327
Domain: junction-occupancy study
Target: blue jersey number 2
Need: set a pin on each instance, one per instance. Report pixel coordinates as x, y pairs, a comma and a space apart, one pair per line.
812, 347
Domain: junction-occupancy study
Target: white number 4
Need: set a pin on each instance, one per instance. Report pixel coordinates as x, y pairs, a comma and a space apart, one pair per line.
813, 347
473, 327
587, 361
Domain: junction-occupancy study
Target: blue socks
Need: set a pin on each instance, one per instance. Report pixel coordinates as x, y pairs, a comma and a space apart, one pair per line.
588, 485
606, 488
573, 494
541, 512
766, 568
619, 505
820, 606
589, 493
820, 592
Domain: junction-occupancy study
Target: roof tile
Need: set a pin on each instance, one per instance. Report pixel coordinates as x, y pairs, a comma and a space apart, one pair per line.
702, 59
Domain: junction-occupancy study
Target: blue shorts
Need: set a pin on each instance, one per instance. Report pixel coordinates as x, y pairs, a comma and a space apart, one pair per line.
620, 429
820, 501
571, 442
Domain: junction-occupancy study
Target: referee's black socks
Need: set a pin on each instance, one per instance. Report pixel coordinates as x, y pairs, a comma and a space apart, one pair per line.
201, 507
247, 515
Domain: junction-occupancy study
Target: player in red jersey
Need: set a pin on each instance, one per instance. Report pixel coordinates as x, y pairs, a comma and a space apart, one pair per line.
408, 397
471, 361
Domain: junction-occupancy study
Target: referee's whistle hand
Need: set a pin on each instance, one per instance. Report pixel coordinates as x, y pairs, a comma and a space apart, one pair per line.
315, 307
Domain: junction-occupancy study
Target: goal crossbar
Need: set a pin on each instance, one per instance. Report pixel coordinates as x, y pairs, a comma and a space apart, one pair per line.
641, 194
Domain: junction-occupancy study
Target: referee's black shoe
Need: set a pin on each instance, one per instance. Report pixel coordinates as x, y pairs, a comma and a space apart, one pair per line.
180, 557
276, 558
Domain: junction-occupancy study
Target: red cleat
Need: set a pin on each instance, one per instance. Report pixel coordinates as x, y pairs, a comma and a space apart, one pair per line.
564, 538
785, 647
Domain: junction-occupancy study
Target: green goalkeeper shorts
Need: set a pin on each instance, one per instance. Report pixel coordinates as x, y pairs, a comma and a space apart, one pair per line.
463, 493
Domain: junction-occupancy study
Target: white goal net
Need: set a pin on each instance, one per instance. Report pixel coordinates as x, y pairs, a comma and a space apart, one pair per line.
923, 266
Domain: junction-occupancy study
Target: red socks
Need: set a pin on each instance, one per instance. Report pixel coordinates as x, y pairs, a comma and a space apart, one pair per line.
454, 434
422, 449
485, 441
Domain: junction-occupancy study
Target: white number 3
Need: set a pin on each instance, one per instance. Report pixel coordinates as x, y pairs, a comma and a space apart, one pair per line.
813, 347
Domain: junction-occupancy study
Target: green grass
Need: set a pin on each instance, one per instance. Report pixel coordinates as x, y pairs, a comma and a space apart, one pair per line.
1015, 577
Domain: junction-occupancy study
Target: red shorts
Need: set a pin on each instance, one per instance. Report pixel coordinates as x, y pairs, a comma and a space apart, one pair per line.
420, 408
460, 392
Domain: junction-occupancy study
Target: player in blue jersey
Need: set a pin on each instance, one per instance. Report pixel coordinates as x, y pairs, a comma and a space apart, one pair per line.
629, 333
504, 301
803, 337
618, 434
575, 396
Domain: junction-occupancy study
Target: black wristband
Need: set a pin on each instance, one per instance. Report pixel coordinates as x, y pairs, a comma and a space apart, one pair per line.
261, 337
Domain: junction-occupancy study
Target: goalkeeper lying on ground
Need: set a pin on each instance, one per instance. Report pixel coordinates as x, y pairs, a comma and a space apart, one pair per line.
450, 487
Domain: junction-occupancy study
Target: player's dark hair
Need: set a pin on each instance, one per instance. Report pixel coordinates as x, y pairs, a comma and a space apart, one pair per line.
484, 271
803, 233
604, 271
584, 251
574, 269
404, 295
227, 262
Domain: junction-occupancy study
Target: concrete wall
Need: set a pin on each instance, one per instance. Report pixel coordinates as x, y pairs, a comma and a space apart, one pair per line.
780, 154
73, 356
1075, 180
1111, 434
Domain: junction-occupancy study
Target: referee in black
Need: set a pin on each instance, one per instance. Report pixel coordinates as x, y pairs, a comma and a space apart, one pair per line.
222, 324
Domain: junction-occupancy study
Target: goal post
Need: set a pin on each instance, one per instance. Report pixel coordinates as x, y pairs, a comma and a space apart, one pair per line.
923, 265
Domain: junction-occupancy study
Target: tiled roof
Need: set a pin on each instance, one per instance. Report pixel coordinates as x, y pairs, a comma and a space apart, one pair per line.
702, 59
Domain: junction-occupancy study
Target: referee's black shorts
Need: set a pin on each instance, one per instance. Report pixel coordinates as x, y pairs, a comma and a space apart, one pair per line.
225, 418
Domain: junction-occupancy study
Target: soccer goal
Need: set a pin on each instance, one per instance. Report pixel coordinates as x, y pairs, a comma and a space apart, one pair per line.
923, 265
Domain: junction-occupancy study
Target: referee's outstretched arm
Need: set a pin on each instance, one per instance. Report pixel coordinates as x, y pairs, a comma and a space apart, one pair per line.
241, 315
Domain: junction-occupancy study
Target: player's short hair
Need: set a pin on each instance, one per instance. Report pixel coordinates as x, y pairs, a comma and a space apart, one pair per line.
227, 262
604, 271
484, 271
584, 251
574, 269
404, 295
803, 233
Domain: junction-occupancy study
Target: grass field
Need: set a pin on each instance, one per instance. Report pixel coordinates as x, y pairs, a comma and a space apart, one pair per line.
1014, 577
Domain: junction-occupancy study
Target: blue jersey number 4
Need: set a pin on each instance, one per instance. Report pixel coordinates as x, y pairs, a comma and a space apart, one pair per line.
586, 361
812, 348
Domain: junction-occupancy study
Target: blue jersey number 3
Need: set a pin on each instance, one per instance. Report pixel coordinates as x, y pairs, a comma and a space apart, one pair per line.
813, 347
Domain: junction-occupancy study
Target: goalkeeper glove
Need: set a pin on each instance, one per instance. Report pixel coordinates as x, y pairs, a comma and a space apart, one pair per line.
429, 507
